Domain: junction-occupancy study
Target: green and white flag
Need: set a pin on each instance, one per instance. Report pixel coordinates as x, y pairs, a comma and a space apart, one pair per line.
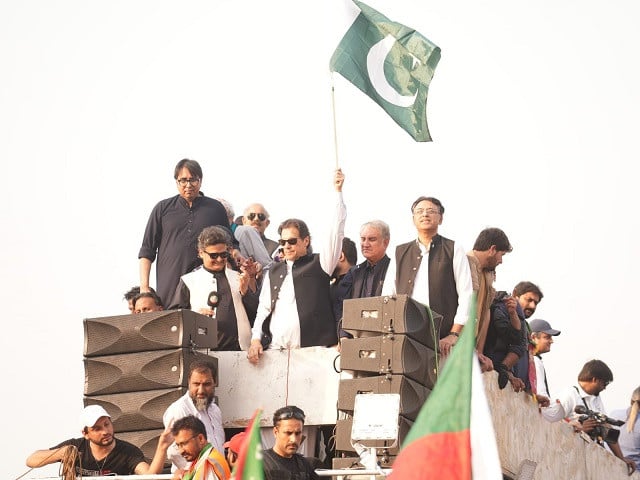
391, 63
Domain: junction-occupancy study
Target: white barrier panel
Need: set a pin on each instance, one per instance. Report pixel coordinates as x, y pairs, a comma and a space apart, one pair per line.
304, 377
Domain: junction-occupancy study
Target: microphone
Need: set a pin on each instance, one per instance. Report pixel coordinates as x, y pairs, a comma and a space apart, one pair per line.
213, 300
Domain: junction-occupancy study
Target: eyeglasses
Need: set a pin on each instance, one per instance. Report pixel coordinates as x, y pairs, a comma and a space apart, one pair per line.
193, 181
185, 443
261, 216
426, 211
289, 414
290, 241
214, 256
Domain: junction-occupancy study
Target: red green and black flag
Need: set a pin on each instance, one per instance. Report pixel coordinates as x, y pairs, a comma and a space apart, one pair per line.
249, 466
442, 442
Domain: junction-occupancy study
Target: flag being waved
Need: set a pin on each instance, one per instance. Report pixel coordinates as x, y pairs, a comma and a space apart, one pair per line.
453, 437
249, 464
391, 63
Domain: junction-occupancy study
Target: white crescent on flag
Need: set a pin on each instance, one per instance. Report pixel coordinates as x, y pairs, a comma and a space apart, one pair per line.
375, 69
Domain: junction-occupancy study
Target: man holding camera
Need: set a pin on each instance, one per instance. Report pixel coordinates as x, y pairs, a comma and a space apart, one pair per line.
591, 416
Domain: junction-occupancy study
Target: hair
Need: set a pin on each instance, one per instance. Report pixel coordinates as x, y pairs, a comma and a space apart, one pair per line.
379, 225
492, 236
191, 165
228, 208
595, 369
295, 413
303, 230
189, 422
151, 294
633, 413
213, 236
247, 210
526, 287
131, 293
350, 250
433, 200
203, 366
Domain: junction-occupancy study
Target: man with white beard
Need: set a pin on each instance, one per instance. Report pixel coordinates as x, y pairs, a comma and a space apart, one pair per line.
198, 401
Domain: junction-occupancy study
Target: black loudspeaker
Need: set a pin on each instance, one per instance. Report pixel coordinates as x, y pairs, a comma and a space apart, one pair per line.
412, 394
149, 331
132, 372
343, 437
393, 354
134, 411
145, 440
365, 317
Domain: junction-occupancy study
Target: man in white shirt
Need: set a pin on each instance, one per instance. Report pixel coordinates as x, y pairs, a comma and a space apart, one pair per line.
541, 339
295, 308
198, 401
592, 380
434, 271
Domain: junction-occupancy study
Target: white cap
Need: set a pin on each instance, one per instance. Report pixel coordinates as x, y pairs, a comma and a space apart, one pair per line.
91, 414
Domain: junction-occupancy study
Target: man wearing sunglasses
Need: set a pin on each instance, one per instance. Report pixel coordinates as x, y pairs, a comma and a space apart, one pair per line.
283, 460
295, 308
172, 230
218, 291
256, 216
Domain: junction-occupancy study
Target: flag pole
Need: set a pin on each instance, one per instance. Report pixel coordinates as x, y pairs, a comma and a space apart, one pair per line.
335, 132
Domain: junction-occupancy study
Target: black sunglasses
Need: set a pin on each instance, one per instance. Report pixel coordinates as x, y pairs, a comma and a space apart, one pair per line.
261, 216
213, 256
290, 241
289, 414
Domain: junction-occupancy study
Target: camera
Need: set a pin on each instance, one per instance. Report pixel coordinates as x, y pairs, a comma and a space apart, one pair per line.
602, 431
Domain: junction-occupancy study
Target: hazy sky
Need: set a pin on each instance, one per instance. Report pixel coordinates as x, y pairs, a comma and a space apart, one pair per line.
533, 110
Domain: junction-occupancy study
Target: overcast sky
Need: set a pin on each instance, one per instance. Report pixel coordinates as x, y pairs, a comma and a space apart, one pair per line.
533, 110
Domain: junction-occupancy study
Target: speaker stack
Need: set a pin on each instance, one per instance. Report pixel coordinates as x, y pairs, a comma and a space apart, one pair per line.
137, 365
393, 351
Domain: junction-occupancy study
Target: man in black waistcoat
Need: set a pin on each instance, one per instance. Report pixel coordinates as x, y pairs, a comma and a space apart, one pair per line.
295, 308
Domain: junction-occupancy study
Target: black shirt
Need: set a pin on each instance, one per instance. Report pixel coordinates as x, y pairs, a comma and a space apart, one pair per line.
282, 468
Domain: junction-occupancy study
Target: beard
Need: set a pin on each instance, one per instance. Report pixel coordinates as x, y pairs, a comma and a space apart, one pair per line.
201, 404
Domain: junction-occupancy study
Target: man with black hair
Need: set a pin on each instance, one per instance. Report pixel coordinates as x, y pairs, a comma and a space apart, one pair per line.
488, 250
129, 295
198, 401
340, 287
207, 463
434, 271
147, 302
217, 291
283, 462
593, 379
295, 307
173, 228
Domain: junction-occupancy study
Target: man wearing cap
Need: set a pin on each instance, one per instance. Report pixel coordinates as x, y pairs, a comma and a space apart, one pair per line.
541, 339
98, 452
233, 447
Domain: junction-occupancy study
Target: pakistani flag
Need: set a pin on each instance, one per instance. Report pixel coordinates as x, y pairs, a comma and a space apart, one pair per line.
249, 465
391, 63
453, 437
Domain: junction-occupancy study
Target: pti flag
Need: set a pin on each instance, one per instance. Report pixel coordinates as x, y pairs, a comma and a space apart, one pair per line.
391, 63
453, 437
249, 465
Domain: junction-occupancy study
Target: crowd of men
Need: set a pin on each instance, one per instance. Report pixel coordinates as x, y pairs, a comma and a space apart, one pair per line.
285, 294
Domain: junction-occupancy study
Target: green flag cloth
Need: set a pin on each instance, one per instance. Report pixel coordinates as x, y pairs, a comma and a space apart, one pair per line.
453, 437
391, 63
249, 465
